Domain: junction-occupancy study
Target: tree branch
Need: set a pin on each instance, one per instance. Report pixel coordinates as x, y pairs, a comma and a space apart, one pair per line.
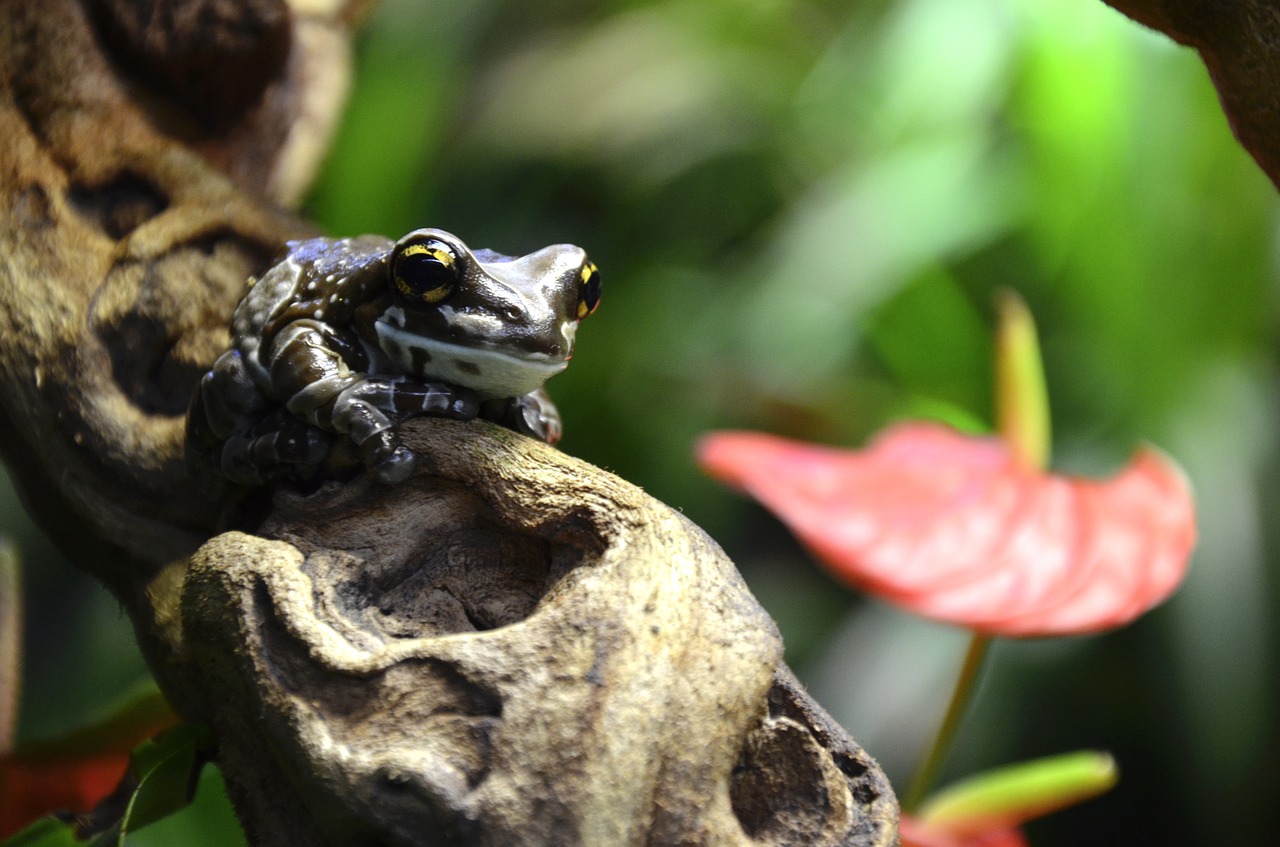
513, 647
1239, 41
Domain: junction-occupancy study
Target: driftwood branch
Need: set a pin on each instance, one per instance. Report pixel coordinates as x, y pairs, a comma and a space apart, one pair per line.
514, 647
511, 648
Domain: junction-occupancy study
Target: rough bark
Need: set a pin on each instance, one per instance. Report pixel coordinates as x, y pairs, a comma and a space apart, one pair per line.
511, 648
1239, 41
514, 647
128, 236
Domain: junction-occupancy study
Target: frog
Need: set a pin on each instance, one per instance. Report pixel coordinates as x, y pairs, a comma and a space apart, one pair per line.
341, 339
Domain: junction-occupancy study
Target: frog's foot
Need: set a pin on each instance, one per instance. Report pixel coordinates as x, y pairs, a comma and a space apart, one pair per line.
408, 398
394, 468
368, 410
281, 446
226, 402
533, 414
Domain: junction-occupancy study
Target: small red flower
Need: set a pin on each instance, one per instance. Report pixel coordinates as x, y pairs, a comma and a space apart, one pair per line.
75, 772
917, 834
955, 528
32, 789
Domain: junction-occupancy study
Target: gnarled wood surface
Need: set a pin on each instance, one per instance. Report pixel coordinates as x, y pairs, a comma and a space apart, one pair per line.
511, 648
129, 231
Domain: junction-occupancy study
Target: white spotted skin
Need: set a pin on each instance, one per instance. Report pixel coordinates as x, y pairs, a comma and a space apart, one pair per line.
345, 338
267, 296
510, 328
317, 276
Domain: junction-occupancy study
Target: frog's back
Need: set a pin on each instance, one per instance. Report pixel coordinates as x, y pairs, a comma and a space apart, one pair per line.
321, 279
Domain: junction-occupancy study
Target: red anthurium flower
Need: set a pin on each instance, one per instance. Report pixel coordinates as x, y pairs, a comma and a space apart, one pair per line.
33, 789
917, 834
954, 527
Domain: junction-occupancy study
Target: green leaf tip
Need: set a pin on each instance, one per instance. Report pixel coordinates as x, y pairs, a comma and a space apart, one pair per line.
1022, 401
1012, 795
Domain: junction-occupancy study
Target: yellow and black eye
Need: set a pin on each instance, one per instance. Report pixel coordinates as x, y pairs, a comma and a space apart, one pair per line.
425, 271
588, 289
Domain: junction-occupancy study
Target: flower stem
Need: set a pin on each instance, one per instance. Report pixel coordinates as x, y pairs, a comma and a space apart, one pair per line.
1022, 419
970, 672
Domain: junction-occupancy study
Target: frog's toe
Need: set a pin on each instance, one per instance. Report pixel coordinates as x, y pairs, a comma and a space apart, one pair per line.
305, 446
397, 467
390, 460
533, 414
465, 406
538, 422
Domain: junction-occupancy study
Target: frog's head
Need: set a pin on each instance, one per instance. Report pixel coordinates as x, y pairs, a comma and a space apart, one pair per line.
499, 325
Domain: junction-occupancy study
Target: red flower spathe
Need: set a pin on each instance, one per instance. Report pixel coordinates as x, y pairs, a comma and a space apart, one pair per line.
915, 833
952, 527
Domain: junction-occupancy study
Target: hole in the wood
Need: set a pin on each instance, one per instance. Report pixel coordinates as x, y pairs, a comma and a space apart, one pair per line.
421, 560
151, 340
140, 348
778, 789
119, 206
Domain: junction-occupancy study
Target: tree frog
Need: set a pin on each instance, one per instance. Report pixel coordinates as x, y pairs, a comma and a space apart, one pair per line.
346, 337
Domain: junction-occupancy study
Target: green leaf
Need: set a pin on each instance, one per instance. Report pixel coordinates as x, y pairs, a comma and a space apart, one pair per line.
113, 837
166, 768
934, 342
46, 832
1011, 795
209, 819
163, 769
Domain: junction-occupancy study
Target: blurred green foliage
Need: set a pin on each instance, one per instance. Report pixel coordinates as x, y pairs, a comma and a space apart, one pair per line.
802, 209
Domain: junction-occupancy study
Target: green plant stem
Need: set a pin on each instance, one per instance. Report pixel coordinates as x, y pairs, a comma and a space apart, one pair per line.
970, 672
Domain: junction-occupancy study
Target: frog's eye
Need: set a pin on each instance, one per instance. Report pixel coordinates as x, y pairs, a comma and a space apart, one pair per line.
426, 271
588, 289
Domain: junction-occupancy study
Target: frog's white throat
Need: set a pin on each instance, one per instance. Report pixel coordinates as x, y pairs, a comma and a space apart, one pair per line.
490, 373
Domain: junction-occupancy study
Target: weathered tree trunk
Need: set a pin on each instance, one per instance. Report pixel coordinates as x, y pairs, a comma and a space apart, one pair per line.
511, 648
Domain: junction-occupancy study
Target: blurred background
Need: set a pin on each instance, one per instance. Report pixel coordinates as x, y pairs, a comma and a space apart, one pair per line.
802, 209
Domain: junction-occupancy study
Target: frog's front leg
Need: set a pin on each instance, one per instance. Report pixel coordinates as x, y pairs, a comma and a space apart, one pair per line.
310, 372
